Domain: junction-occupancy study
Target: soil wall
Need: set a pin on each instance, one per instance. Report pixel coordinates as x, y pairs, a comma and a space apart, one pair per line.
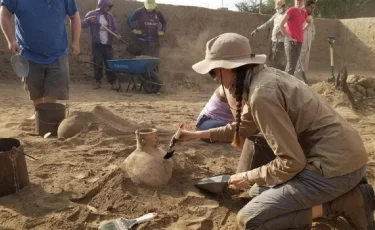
190, 27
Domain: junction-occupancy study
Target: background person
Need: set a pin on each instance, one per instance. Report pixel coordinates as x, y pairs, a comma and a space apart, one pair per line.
308, 37
148, 19
216, 112
294, 18
276, 58
101, 40
46, 47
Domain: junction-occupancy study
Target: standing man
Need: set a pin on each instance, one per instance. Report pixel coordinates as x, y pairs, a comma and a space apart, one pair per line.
101, 40
308, 37
41, 38
277, 54
148, 18
294, 19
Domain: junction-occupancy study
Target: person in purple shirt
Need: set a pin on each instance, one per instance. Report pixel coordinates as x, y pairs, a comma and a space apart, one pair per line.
216, 113
147, 29
101, 40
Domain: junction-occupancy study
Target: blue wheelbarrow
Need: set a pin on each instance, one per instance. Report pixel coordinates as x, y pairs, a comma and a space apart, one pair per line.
143, 69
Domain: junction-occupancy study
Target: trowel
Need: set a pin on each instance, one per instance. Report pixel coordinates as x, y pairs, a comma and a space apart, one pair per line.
125, 224
173, 143
215, 184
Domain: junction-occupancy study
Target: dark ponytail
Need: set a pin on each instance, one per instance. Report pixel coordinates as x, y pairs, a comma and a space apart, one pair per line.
239, 87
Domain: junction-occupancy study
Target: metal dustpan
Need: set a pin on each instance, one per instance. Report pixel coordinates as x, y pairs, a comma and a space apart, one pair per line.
20, 66
215, 184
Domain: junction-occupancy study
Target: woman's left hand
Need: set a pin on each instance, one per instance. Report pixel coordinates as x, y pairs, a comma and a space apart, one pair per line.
237, 181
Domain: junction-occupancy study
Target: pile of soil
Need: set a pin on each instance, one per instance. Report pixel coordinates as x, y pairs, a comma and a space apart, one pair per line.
362, 89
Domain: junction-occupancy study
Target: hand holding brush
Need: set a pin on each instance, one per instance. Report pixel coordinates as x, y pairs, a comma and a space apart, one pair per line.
173, 142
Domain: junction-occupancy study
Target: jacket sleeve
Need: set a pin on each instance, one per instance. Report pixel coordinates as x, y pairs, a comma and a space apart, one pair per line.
85, 23
226, 133
114, 28
132, 18
277, 128
162, 21
268, 24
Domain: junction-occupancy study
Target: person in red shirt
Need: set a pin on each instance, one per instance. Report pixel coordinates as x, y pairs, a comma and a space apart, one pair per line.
292, 27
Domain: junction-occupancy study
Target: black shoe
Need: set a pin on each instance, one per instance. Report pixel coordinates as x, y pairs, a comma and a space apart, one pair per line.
356, 206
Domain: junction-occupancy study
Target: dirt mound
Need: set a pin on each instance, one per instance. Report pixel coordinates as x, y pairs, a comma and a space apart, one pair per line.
113, 125
362, 88
99, 119
334, 97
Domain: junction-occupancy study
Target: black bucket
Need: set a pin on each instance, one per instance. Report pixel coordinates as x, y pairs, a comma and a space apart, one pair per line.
10, 173
48, 117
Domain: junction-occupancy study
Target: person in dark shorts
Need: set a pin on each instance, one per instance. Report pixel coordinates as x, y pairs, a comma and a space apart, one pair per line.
148, 19
41, 38
101, 39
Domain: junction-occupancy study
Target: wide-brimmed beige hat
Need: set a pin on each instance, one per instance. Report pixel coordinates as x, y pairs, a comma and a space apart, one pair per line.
228, 51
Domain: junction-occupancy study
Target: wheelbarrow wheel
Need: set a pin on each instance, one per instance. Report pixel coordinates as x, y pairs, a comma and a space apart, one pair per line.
152, 77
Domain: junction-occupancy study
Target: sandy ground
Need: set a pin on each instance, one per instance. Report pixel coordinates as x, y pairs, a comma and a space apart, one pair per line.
84, 163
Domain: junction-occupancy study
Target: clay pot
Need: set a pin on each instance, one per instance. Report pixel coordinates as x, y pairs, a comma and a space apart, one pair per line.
147, 164
70, 127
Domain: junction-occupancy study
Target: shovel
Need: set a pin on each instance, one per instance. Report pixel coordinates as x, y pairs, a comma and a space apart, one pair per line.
132, 48
215, 184
115, 35
331, 40
20, 66
125, 224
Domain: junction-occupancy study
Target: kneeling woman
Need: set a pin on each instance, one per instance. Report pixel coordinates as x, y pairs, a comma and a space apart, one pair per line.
320, 159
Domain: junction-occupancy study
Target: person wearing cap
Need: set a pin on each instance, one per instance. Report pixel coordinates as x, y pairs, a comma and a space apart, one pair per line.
319, 158
101, 40
292, 27
148, 17
276, 58
308, 37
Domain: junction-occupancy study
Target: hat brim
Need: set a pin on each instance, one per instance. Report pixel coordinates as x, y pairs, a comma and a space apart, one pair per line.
151, 6
205, 66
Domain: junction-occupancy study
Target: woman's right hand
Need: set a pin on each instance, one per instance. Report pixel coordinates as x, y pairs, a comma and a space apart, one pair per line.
186, 136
